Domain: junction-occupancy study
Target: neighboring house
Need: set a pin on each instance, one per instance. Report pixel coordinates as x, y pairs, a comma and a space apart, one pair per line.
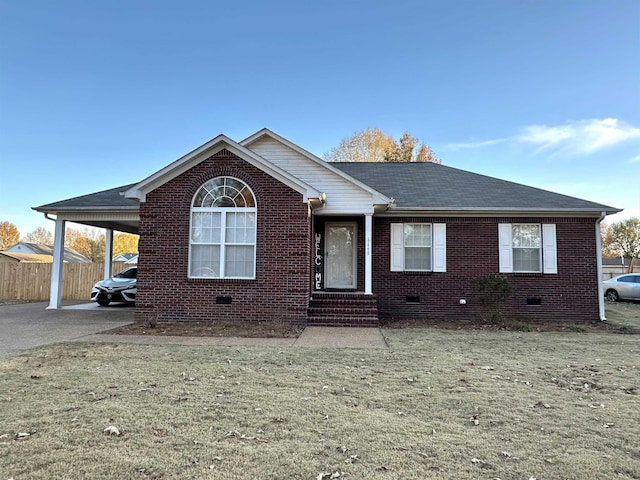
263, 230
10, 257
612, 267
133, 260
125, 257
70, 255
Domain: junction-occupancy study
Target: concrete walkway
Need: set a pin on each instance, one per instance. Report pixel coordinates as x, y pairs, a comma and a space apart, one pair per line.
30, 325
312, 337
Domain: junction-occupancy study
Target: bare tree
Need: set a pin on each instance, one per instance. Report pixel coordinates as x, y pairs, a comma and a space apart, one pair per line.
626, 239
39, 236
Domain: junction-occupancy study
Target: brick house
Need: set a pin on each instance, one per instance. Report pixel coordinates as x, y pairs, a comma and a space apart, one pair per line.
262, 229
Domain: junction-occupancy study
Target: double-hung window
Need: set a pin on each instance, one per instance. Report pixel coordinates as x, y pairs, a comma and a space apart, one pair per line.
418, 247
223, 230
527, 248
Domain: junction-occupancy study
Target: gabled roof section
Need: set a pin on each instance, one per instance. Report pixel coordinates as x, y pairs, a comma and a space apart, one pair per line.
379, 198
213, 146
431, 187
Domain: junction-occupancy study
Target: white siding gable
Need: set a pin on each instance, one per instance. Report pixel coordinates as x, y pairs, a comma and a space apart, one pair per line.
342, 195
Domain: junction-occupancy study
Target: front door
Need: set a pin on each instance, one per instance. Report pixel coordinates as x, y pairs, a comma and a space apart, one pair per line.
340, 255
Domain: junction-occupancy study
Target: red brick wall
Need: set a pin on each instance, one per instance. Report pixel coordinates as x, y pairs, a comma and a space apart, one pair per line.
280, 291
472, 251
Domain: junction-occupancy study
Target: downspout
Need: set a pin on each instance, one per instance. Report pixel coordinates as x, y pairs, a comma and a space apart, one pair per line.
599, 267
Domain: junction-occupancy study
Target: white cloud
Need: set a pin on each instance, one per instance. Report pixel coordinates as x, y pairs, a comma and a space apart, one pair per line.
485, 143
579, 138
635, 159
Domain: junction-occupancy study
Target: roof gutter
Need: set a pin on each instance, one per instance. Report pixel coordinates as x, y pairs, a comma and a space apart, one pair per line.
394, 210
599, 267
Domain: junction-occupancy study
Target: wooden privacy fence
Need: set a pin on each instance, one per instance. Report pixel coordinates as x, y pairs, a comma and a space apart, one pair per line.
32, 281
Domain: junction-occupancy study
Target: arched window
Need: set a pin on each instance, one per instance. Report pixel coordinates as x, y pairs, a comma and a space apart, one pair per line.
223, 230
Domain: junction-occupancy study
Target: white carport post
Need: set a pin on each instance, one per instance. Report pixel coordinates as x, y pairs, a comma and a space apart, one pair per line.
368, 264
55, 296
108, 252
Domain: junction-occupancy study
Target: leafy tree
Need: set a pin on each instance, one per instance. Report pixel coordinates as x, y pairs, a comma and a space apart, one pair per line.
608, 248
368, 145
625, 239
124, 243
373, 145
9, 235
39, 236
98, 248
91, 243
79, 240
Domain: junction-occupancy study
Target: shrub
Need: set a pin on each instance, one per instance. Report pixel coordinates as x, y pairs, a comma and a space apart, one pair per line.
520, 326
493, 291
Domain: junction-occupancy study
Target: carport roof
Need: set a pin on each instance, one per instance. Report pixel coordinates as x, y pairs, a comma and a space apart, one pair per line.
112, 199
105, 209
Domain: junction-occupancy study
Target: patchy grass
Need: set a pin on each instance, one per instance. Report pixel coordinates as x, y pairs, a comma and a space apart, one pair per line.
623, 316
437, 404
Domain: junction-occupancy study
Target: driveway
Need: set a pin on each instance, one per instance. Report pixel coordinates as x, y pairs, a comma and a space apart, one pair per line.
30, 325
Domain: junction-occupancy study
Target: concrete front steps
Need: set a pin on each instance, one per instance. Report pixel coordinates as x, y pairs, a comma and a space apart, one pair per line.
342, 309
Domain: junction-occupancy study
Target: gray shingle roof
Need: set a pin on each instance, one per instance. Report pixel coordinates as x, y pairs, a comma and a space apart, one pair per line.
414, 186
431, 186
105, 200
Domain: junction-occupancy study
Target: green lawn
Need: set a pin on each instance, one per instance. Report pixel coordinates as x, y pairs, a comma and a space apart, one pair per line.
436, 404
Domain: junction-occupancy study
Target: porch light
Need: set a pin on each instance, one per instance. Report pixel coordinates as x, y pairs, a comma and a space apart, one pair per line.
318, 202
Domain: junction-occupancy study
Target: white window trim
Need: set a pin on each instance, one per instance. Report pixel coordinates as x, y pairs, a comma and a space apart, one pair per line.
438, 247
223, 244
548, 249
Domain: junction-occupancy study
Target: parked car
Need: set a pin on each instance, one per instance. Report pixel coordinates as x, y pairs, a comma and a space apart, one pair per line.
119, 288
623, 287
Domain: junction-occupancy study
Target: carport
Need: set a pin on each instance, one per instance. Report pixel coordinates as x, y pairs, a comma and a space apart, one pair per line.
108, 209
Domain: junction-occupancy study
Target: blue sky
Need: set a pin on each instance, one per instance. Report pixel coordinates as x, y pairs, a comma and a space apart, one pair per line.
95, 95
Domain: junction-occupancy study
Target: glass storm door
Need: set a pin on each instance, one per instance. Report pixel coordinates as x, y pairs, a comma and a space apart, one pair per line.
340, 255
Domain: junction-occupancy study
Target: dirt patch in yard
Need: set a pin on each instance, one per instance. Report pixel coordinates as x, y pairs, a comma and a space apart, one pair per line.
623, 317
211, 329
516, 325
